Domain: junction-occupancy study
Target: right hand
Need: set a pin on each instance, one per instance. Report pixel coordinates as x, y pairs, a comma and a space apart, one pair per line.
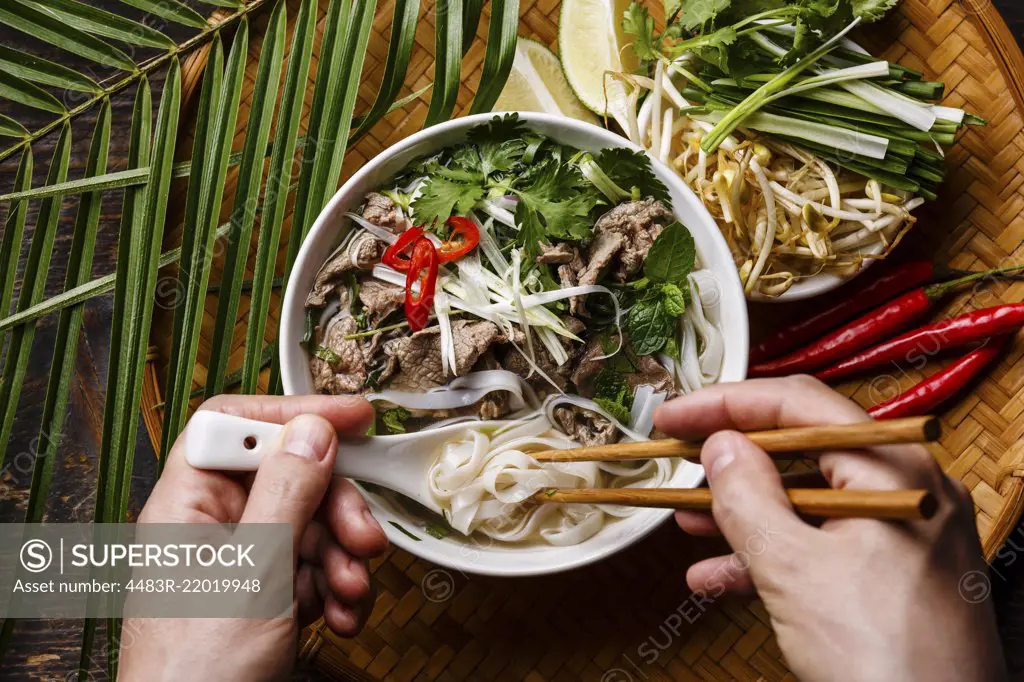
853, 599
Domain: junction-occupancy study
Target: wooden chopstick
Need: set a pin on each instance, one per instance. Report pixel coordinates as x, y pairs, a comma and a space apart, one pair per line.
806, 439
825, 503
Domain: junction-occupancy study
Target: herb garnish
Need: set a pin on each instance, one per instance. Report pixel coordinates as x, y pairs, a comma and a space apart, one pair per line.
650, 322
394, 419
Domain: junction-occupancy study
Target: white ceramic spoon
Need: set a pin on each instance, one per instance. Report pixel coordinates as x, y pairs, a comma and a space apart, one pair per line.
227, 443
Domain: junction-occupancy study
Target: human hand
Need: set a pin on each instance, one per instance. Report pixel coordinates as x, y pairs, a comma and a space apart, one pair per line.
334, 535
853, 599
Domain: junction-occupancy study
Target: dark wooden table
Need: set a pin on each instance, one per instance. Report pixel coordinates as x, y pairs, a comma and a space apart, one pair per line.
49, 649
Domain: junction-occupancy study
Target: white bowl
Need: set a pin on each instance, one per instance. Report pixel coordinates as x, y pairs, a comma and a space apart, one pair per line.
817, 285
475, 555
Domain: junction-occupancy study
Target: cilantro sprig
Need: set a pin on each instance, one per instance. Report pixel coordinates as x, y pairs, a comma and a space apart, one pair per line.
556, 200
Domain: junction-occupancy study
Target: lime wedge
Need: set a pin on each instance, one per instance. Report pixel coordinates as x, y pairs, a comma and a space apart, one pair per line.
537, 83
591, 41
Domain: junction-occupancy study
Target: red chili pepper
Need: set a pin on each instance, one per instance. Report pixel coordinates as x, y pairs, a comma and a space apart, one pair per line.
422, 270
936, 389
892, 281
973, 327
399, 254
879, 324
463, 238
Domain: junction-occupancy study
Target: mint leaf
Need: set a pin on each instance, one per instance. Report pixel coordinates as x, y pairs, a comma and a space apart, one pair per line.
648, 325
441, 197
394, 419
675, 300
628, 169
612, 392
615, 409
672, 255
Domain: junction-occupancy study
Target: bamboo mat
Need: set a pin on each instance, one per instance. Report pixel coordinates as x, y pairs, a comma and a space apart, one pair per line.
432, 624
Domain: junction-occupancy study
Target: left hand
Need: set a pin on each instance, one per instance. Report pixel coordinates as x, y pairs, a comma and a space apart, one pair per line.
334, 534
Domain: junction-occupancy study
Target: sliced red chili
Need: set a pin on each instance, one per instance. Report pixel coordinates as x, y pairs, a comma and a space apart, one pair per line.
422, 271
399, 254
463, 238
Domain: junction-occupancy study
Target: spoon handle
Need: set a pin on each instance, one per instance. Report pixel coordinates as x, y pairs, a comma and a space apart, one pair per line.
225, 442
214, 440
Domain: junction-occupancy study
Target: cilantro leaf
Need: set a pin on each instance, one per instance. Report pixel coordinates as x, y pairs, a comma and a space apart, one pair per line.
696, 13
442, 196
872, 10
672, 255
531, 231
637, 21
394, 419
500, 143
627, 169
565, 210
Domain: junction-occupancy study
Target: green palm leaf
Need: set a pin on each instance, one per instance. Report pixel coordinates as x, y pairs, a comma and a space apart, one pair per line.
261, 113
45, 72
112, 456
502, 36
21, 91
277, 190
447, 61
172, 10
125, 178
11, 128
403, 39
49, 29
97, 287
470, 21
232, 4
14, 230
69, 325
34, 278
334, 96
103, 23
218, 108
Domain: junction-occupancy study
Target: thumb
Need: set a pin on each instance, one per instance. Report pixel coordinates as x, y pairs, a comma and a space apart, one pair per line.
294, 476
749, 504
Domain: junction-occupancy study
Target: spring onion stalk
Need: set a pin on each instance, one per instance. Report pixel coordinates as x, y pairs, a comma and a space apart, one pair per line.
760, 96
870, 146
591, 171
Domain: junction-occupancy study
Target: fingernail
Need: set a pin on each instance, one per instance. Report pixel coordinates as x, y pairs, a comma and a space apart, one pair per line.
349, 400
308, 437
719, 463
371, 522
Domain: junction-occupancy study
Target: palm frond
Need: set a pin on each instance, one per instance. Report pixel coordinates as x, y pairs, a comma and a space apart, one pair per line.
218, 109
11, 128
43, 71
334, 94
403, 39
261, 113
501, 52
172, 10
14, 231
447, 61
102, 23
69, 325
49, 29
277, 190
21, 91
34, 282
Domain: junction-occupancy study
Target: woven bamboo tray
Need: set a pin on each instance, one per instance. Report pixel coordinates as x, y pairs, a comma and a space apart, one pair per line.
631, 618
